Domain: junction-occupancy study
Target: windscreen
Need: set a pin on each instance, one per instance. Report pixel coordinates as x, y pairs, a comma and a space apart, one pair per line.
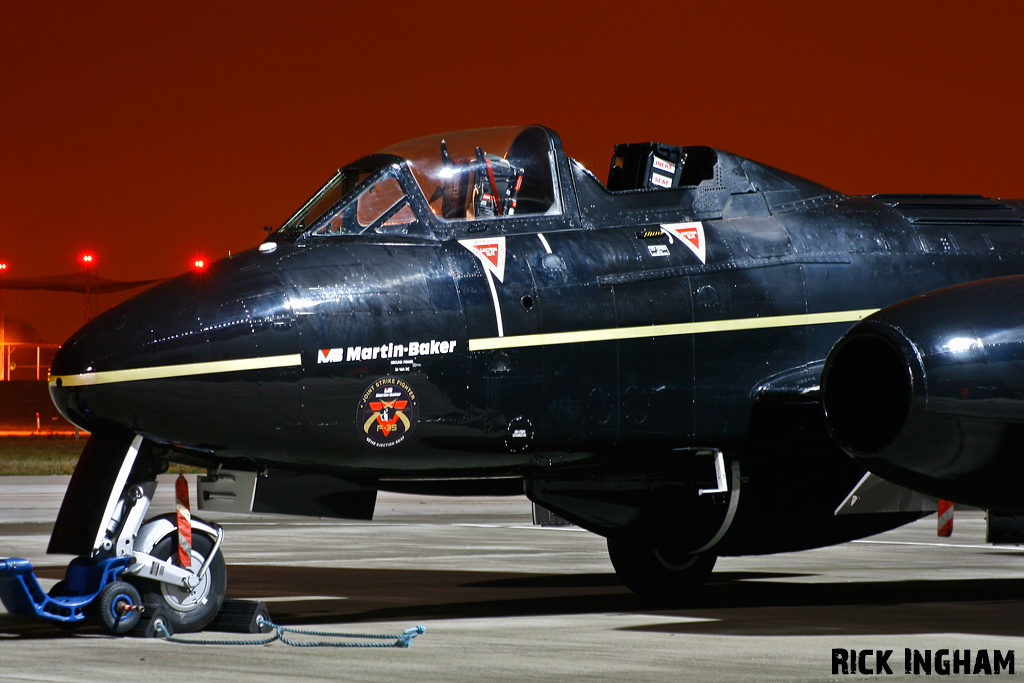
379, 205
326, 198
352, 202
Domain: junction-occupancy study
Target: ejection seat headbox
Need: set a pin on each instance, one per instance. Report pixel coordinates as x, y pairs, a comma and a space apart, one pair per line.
482, 186
645, 166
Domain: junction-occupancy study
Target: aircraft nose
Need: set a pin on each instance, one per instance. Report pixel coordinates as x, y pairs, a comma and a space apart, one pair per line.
181, 362
70, 359
101, 346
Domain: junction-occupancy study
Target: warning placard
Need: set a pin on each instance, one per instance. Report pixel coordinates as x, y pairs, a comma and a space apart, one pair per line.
691, 234
491, 252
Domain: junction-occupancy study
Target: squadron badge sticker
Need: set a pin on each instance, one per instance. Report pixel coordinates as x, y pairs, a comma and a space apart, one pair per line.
387, 412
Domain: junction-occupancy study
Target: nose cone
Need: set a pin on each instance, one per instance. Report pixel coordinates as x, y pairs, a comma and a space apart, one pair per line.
120, 338
69, 360
181, 362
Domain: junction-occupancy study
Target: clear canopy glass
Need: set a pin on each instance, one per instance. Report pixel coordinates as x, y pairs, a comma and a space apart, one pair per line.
464, 176
484, 173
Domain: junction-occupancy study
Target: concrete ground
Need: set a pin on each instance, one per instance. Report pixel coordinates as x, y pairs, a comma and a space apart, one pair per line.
503, 600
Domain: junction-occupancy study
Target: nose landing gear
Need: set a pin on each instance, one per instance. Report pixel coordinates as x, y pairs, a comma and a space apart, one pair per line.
125, 565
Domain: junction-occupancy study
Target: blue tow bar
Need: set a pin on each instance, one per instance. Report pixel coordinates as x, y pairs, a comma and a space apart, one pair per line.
89, 589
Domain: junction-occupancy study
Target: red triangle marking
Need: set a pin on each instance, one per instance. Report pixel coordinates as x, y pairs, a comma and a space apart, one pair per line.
489, 252
690, 235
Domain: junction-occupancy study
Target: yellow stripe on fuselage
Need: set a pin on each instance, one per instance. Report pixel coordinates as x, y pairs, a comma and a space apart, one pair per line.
668, 330
184, 370
515, 342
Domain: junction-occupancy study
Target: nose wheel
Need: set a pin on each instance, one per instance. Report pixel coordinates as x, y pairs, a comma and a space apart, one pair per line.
188, 609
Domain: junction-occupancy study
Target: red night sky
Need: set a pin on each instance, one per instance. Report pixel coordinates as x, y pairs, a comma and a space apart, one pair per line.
153, 132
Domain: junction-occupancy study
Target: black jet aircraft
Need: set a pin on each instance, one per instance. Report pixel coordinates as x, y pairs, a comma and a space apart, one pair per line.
477, 313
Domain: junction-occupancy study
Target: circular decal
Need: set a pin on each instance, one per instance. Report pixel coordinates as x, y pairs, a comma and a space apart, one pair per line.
388, 412
519, 435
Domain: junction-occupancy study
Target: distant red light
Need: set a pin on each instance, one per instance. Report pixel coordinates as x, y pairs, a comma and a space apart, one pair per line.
87, 258
3, 266
199, 264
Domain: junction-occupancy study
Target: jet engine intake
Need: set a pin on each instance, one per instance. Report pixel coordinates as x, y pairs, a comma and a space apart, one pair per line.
929, 393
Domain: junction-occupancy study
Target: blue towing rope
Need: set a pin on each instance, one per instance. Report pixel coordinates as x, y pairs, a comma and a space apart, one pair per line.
400, 640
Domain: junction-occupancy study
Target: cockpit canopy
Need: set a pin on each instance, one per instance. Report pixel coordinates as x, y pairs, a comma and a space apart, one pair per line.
465, 176
484, 173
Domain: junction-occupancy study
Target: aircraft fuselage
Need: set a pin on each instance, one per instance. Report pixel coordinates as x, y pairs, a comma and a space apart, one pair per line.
622, 327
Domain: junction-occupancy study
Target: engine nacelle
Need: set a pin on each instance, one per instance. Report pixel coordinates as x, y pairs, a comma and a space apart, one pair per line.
929, 393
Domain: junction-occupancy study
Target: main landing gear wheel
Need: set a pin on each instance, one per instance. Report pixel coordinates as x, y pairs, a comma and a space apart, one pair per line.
117, 606
188, 611
652, 571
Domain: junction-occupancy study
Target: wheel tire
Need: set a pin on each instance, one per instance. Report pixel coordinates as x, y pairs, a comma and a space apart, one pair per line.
110, 607
188, 612
648, 570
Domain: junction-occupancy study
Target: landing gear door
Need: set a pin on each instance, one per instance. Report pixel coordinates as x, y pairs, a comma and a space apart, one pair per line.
100, 477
